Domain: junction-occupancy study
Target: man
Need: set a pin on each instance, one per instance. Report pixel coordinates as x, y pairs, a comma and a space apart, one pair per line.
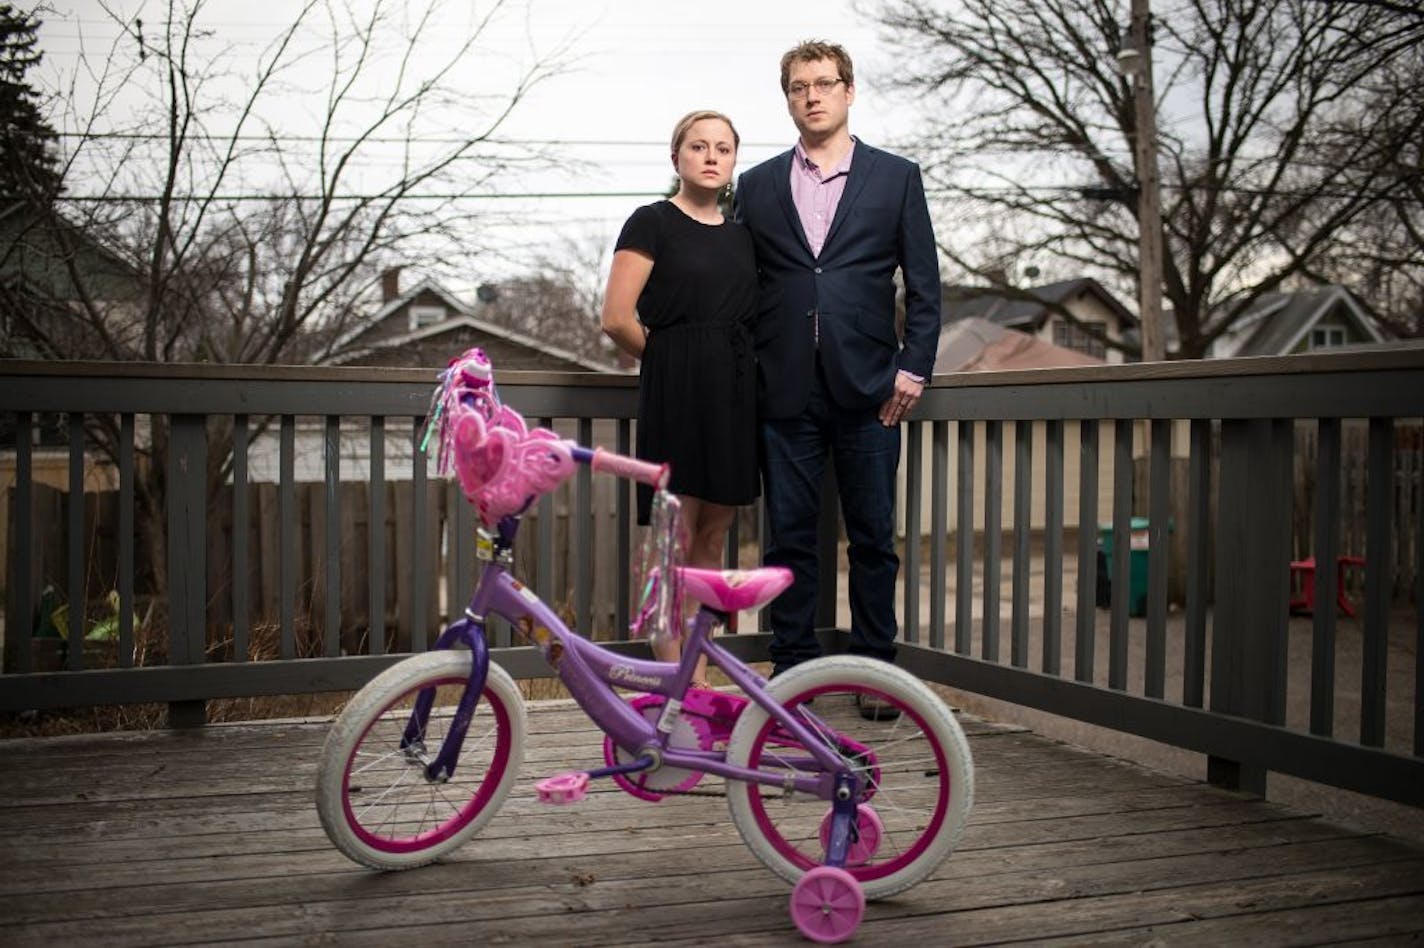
832, 220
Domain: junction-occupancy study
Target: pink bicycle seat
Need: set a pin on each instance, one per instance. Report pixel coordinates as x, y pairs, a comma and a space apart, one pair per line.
735, 589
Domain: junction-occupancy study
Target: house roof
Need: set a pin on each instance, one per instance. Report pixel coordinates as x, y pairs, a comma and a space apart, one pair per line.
1282, 320
424, 286
466, 319
393, 304
32, 252
974, 344
1015, 310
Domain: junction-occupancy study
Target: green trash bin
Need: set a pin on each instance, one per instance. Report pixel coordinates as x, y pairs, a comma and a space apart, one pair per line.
1137, 561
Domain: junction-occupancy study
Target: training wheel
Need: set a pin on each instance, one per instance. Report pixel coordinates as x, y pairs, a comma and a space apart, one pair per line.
563, 789
827, 905
869, 831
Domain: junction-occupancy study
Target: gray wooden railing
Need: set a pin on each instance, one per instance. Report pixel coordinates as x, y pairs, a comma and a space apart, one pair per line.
1204, 450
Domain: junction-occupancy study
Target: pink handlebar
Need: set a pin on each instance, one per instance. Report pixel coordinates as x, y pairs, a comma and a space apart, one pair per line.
644, 472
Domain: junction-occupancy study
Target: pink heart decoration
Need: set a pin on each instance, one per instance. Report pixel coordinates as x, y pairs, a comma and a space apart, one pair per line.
501, 464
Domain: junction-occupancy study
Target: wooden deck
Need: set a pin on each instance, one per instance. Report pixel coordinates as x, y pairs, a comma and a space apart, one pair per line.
211, 836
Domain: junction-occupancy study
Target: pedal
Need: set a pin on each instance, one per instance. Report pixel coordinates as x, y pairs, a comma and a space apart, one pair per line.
563, 789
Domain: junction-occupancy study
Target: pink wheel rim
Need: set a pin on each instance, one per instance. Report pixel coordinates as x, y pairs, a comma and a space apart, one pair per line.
800, 859
461, 817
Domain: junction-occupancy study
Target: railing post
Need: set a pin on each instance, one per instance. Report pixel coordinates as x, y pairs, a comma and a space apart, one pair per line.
914, 498
1374, 643
964, 542
376, 541
21, 543
187, 555
74, 508
287, 536
1197, 525
1084, 652
1248, 654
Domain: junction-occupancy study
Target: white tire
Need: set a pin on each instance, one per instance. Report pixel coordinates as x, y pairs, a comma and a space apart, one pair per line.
921, 783
372, 795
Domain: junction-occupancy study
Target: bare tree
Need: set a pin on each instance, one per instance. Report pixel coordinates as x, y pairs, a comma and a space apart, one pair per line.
1030, 129
256, 208
1381, 253
559, 299
249, 207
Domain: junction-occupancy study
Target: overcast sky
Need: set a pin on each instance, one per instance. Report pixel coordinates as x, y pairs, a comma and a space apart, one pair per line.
638, 65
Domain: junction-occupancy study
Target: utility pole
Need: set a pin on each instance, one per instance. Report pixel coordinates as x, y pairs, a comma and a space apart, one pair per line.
1149, 198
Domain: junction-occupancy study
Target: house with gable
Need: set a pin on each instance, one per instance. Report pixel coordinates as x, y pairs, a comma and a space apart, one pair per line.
994, 329
1080, 314
422, 326
50, 269
1309, 320
425, 325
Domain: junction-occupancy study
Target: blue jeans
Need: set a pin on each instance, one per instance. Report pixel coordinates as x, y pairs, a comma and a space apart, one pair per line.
866, 455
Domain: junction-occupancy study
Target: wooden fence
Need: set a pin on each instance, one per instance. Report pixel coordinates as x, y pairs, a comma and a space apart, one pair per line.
402, 587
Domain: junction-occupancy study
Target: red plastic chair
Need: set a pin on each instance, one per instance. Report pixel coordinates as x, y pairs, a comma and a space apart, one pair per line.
1303, 584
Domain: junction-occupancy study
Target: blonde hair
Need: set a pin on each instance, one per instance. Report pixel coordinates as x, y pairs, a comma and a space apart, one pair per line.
809, 51
684, 125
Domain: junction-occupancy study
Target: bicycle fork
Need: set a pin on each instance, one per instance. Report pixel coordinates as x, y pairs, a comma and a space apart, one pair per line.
845, 829
469, 631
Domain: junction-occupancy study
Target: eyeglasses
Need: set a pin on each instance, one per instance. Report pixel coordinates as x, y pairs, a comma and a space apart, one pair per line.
798, 90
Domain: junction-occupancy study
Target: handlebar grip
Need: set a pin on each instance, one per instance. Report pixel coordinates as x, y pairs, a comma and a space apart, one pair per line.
644, 472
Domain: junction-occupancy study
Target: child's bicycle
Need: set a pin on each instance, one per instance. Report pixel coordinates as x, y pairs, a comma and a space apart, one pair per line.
847, 777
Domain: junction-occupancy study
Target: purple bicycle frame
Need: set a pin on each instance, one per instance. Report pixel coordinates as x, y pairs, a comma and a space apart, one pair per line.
589, 671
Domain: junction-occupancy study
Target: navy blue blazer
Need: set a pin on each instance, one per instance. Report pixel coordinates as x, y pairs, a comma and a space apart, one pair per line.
881, 224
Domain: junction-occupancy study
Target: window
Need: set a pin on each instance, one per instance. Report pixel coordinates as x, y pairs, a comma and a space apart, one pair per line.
426, 316
1074, 337
1324, 337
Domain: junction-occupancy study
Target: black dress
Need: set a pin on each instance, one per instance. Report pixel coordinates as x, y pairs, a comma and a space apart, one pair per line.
697, 383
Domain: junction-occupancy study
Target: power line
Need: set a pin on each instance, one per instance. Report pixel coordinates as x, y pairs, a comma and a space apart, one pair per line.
394, 140
244, 198
1087, 192
528, 142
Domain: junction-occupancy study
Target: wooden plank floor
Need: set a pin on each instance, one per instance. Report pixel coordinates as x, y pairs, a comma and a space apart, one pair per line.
211, 837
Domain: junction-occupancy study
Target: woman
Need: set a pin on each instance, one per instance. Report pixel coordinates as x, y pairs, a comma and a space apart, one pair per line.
680, 293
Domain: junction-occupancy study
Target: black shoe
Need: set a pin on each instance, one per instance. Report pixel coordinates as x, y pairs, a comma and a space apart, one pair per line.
873, 708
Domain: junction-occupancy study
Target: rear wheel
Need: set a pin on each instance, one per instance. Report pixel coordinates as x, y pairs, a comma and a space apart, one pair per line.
375, 801
915, 770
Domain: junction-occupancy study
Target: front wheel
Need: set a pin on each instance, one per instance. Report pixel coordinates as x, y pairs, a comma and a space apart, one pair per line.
373, 795
914, 766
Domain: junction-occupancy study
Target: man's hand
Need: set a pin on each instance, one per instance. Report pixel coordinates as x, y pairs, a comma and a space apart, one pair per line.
905, 397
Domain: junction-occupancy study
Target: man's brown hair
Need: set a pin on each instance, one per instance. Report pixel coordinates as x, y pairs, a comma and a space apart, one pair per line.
809, 51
